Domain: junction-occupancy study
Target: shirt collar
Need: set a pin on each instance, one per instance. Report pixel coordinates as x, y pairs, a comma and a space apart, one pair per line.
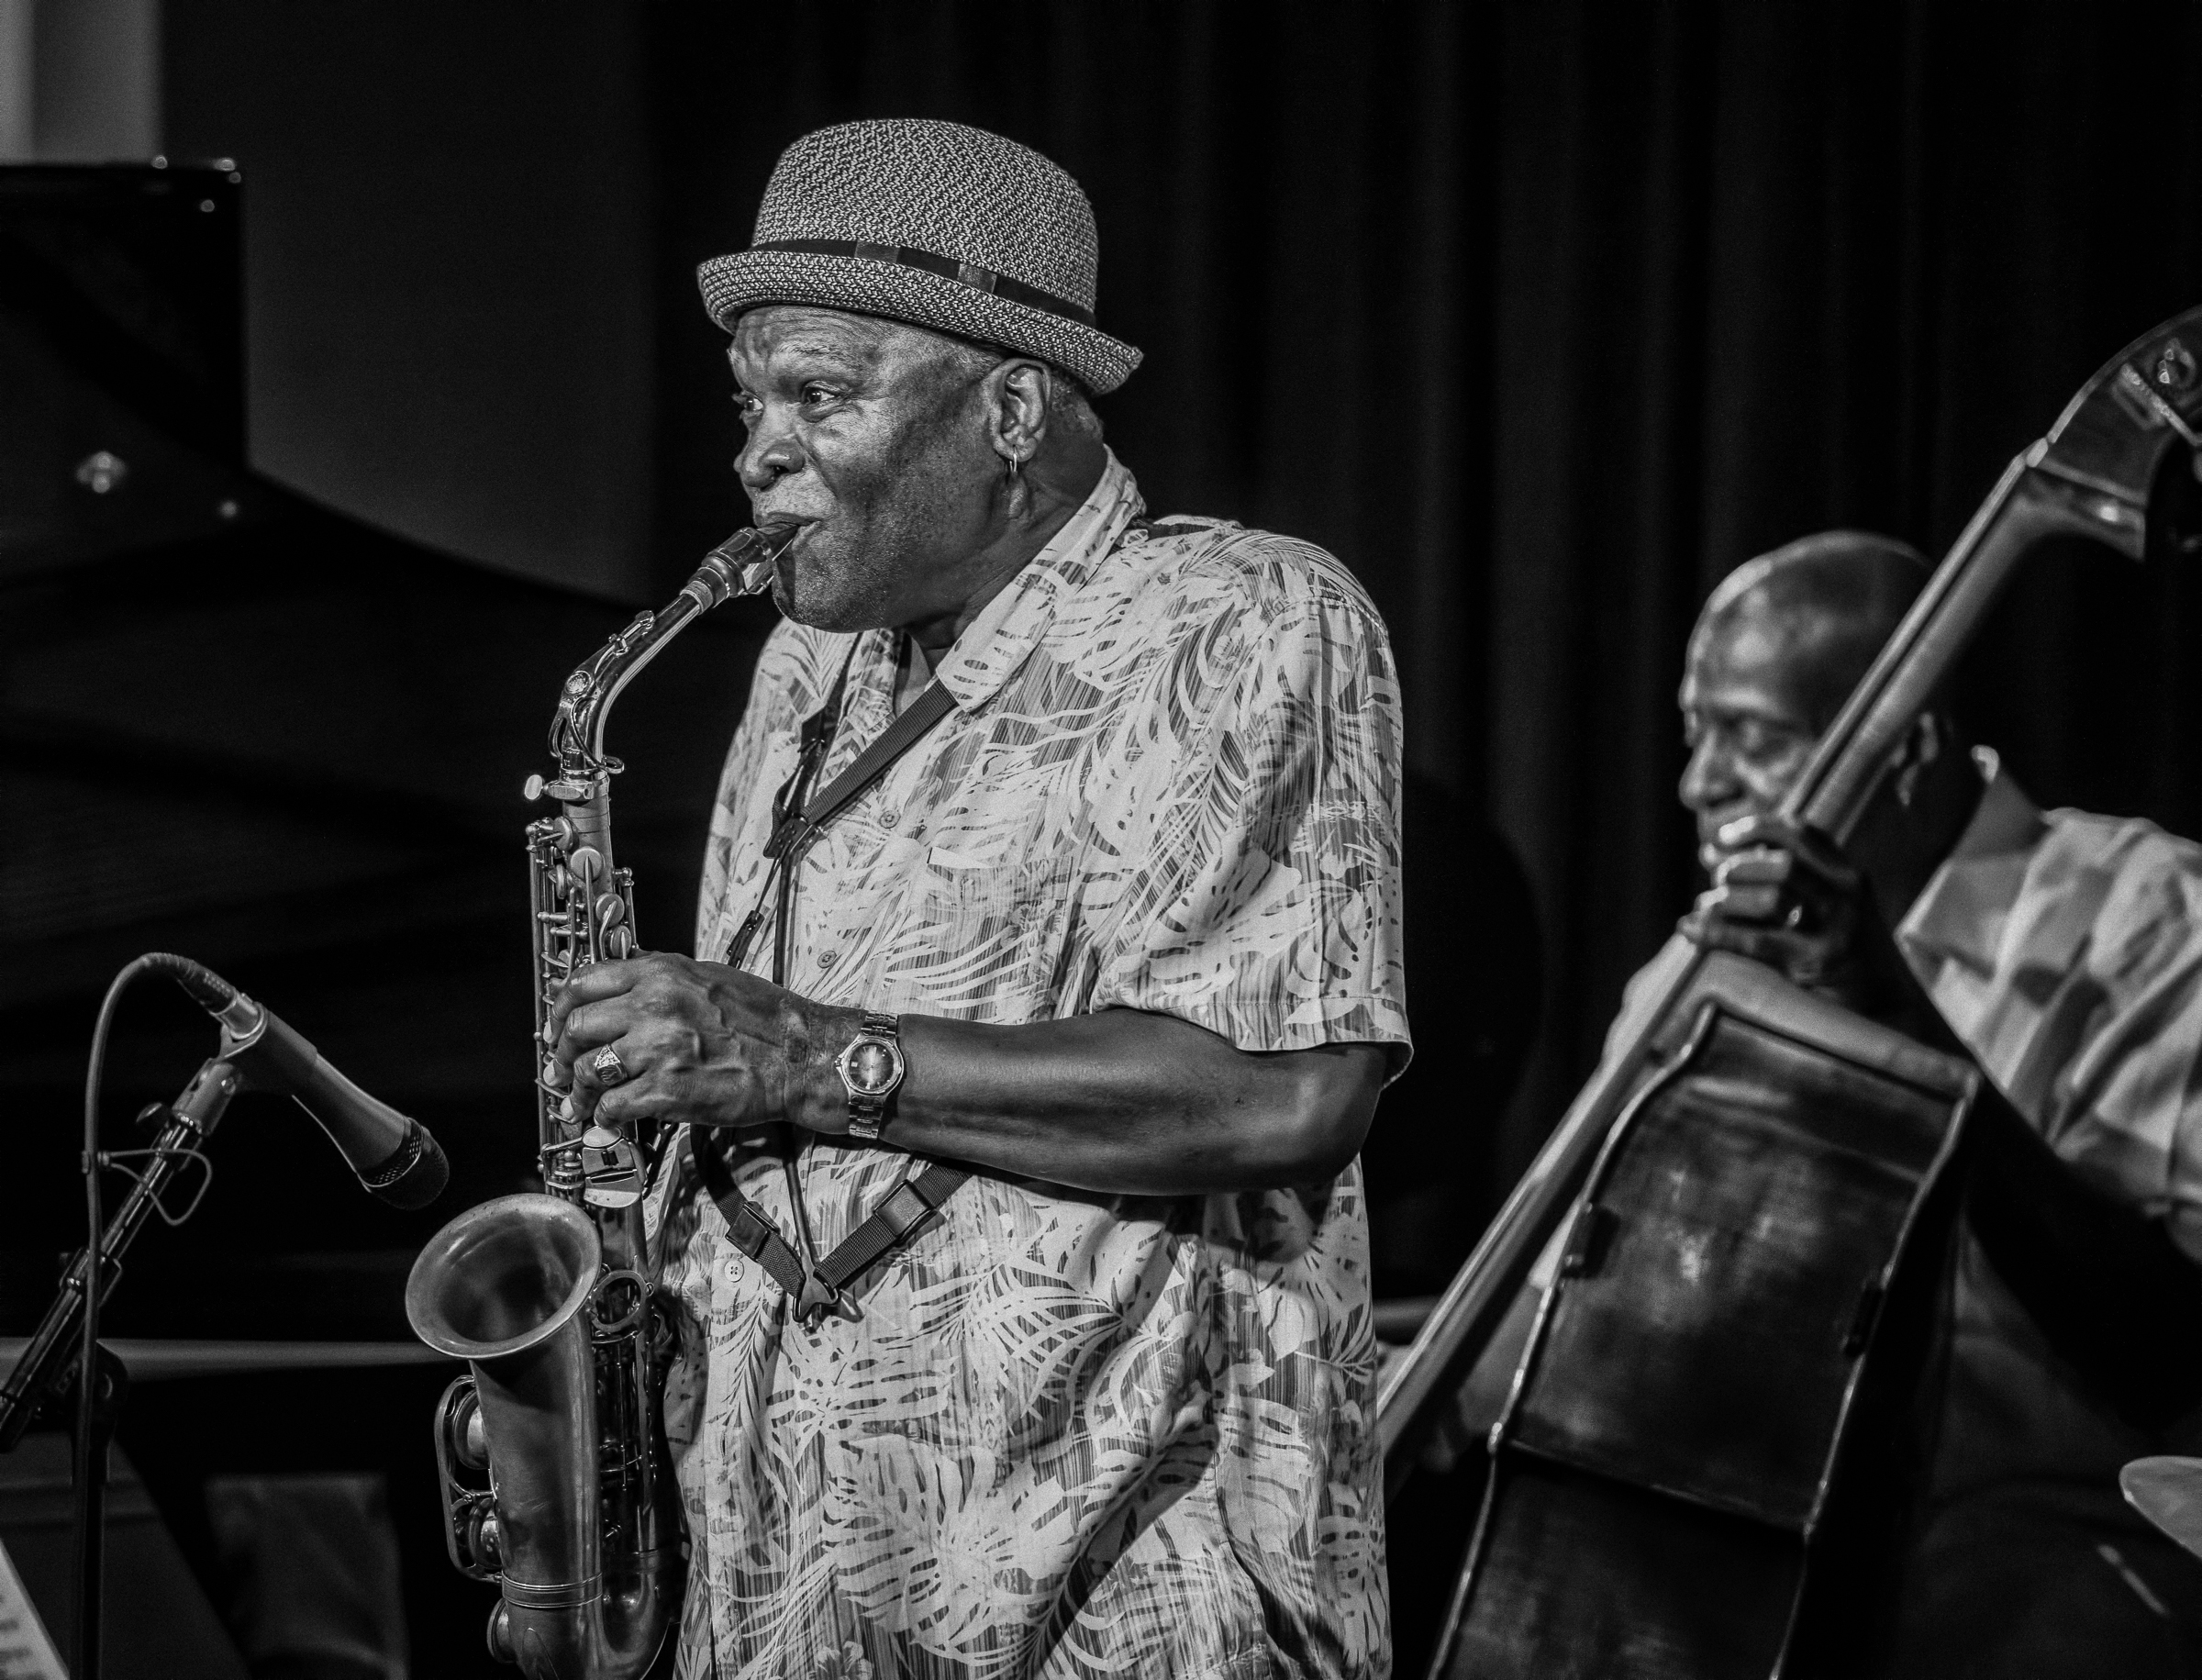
1008, 627
1962, 913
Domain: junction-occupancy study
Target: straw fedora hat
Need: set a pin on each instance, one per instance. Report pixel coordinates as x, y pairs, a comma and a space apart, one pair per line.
933, 223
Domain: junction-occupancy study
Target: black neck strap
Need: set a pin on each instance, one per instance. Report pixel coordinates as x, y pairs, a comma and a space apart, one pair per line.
794, 829
816, 1289
815, 1286
795, 832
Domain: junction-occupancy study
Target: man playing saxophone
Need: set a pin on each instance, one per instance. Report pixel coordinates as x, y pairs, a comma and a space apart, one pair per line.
1117, 931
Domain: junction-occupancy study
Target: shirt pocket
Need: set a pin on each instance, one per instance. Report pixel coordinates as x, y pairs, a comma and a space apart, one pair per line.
989, 925
961, 888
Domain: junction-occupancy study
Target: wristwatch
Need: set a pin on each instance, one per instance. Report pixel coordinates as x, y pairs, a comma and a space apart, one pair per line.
870, 1070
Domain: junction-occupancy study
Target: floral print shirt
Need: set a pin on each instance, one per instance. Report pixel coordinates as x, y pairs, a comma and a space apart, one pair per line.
1064, 1433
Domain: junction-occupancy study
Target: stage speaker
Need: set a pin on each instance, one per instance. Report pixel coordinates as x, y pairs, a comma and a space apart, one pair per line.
121, 361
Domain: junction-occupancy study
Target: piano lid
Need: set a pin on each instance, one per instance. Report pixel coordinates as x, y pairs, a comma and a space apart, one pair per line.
281, 742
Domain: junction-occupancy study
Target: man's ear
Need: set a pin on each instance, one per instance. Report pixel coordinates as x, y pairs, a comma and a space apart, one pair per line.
1020, 408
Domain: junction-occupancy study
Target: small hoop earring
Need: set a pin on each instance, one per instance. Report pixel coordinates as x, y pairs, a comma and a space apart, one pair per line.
1017, 465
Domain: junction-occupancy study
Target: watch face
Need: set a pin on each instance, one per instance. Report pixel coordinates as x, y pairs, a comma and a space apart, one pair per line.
871, 1066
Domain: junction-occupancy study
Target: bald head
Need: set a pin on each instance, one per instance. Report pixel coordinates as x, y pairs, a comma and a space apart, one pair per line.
1819, 609
1778, 648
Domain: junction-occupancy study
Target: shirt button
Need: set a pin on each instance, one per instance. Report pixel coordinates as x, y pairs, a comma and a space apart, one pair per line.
827, 959
887, 819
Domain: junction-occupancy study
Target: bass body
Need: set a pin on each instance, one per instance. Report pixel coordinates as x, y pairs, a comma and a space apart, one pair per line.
1735, 1305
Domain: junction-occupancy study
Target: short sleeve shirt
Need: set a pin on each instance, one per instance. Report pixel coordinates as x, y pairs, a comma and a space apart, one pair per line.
1066, 1433
2071, 965
2067, 956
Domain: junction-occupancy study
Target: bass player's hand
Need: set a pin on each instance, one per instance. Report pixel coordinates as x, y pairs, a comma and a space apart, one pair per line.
696, 1042
1786, 896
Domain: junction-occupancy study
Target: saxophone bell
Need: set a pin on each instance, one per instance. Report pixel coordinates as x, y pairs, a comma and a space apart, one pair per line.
533, 1466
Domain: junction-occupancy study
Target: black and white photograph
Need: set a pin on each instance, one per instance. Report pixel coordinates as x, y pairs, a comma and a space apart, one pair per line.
953, 839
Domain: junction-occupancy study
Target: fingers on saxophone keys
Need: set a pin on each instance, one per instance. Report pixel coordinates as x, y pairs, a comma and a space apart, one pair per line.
585, 1079
579, 1104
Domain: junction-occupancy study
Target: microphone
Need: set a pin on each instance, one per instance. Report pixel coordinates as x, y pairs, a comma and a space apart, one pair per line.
395, 1158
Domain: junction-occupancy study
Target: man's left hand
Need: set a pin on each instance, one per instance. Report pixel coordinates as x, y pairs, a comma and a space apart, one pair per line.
693, 1041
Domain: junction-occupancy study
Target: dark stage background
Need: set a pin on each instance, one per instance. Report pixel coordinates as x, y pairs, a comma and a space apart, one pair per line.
1542, 315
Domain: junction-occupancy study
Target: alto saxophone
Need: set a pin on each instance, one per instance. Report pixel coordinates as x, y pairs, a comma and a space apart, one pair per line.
556, 1485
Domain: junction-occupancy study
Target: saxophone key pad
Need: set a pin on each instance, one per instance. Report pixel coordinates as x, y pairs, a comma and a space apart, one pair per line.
611, 1167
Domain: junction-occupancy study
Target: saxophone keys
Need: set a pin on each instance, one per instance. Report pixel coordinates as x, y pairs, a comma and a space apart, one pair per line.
487, 1540
498, 1634
466, 1438
612, 1167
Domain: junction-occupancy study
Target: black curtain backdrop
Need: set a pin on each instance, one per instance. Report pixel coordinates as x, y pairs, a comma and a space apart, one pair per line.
1543, 315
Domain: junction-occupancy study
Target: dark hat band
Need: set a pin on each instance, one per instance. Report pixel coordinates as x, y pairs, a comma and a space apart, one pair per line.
969, 274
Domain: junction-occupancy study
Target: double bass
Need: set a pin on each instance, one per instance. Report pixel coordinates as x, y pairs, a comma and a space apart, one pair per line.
1741, 1200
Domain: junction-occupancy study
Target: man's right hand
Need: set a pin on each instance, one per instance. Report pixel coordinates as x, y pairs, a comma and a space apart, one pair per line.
1786, 896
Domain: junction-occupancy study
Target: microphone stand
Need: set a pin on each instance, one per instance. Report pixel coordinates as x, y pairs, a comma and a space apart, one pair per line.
95, 1433
46, 1375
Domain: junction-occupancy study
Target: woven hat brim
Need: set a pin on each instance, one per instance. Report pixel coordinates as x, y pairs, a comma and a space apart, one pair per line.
748, 278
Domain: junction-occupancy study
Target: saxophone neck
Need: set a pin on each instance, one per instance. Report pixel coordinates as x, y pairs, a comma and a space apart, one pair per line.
740, 565
585, 704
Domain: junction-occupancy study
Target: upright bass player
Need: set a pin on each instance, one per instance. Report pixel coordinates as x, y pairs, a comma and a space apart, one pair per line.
2064, 953
1047, 974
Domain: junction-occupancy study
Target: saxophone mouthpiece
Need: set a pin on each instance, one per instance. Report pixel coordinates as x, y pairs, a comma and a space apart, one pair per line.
743, 564
775, 536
